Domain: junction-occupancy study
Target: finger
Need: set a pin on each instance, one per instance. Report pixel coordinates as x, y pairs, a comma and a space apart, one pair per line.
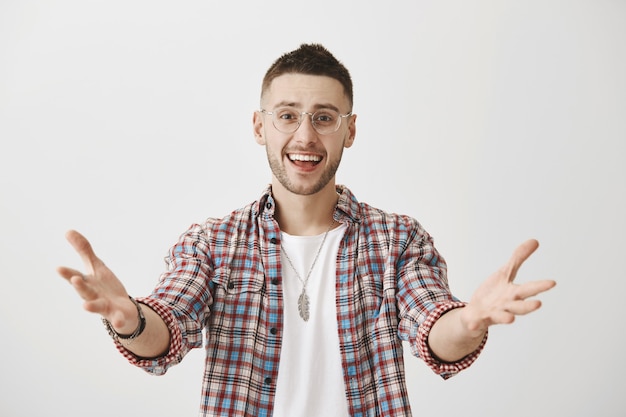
523, 307
530, 289
502, 317
81, 283
520, 255
82, 246
68, 273
95, 306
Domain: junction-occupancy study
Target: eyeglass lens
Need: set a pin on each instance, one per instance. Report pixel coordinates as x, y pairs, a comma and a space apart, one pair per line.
287, 120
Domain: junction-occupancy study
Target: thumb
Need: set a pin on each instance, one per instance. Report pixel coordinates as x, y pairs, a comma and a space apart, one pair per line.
520, 255
82, 246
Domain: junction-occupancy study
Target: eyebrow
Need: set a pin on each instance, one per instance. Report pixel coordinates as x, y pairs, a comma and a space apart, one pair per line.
286, 103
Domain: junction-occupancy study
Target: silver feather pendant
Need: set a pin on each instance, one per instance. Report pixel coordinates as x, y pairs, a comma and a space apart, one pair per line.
303, 305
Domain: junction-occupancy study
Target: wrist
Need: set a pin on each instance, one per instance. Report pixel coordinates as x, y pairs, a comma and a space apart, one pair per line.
471, 323
124, 333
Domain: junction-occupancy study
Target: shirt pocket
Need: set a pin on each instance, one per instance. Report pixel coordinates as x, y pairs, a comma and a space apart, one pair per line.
238, 296
234, 282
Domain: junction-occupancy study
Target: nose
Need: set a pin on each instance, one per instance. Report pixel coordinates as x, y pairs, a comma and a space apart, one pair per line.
306, 132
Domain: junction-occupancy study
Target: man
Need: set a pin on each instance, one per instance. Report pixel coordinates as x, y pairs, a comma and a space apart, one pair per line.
305, 295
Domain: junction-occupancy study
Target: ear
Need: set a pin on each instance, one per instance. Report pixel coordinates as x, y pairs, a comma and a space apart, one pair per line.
259, 128
351, 132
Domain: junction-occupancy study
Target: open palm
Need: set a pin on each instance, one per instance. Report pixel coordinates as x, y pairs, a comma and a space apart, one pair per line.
498, 299
102, 291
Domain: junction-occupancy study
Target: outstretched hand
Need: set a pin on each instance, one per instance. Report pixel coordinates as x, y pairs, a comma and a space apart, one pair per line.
498, 299
102, 292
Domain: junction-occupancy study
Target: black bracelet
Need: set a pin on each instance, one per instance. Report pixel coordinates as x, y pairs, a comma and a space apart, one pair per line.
129, 337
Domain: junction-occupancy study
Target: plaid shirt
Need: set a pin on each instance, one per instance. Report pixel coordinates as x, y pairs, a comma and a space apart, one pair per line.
224, 278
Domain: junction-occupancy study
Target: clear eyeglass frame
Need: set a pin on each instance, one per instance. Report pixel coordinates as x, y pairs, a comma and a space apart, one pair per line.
325, 121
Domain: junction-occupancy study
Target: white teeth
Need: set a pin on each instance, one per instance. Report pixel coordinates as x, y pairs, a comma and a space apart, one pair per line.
300, 157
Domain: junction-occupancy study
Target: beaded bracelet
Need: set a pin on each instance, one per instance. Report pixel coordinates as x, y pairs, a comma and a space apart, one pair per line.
129, 337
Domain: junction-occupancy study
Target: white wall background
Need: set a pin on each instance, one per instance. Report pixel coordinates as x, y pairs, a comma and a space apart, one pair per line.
489, 121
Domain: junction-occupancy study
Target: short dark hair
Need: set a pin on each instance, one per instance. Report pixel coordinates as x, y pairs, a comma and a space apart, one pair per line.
311, 59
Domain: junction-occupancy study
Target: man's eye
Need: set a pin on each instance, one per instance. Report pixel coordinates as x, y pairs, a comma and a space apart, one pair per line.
324, 118
287, 115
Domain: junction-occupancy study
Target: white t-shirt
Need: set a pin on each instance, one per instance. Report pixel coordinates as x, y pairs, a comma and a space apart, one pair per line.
310, 376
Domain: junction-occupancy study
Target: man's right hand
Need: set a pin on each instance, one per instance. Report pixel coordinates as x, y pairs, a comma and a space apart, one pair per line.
103, 293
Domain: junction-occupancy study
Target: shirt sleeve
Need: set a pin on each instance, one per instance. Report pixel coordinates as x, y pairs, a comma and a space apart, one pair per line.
175, 354
182, 298
421, 349
423, 296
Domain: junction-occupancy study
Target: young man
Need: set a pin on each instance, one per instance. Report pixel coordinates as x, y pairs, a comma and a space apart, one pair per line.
305, 295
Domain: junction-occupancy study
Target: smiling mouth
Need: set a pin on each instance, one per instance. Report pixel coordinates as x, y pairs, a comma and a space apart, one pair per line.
304, 159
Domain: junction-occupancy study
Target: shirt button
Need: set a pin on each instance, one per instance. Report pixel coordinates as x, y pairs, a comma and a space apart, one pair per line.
268, 205
273, 330
268, 380
273, 241
274, 281
231, 285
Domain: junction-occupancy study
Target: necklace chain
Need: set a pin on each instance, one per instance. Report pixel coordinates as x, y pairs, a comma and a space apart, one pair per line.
303, 299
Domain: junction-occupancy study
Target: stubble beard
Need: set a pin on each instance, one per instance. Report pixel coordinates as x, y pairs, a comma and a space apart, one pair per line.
279, 171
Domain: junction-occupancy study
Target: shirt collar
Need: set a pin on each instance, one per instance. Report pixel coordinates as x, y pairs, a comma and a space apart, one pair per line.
347, 210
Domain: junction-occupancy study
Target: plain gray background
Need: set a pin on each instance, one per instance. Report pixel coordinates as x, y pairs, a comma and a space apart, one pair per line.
489, 121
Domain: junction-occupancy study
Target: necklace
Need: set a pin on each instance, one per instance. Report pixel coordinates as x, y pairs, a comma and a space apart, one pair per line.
303, 299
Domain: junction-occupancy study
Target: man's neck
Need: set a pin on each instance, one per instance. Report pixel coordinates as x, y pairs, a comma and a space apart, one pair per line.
305, 215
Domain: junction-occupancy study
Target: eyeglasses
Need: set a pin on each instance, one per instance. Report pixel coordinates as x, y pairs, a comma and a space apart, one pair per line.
288, 119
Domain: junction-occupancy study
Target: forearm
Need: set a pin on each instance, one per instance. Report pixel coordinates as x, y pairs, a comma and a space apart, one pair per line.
451, 340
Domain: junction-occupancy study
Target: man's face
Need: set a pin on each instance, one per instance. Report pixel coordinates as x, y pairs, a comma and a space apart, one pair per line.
304, 162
